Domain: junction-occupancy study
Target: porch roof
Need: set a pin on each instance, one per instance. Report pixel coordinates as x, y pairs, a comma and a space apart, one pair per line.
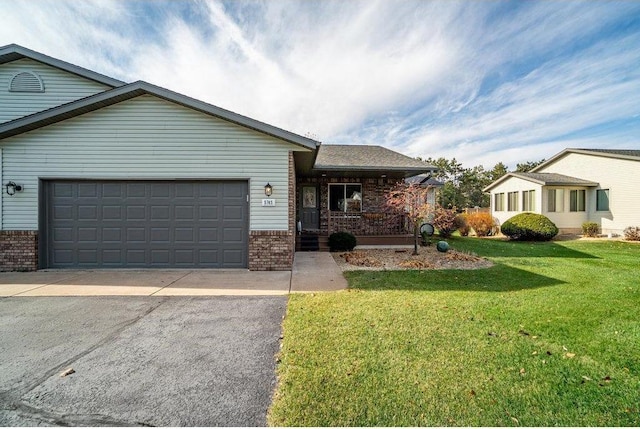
367, 160
544, 179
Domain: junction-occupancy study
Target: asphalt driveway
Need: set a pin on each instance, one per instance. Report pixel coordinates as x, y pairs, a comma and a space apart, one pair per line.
161, 361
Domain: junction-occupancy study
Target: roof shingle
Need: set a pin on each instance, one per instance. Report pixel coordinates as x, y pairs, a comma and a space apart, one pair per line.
366, 157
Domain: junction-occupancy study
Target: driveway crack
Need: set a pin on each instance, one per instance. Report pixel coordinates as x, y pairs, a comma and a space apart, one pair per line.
114, 334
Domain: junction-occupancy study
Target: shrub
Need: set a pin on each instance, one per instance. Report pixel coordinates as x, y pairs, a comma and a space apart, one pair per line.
632, 233
463, 224
445, 221
341, 241
590, 229
482, 223
529, 226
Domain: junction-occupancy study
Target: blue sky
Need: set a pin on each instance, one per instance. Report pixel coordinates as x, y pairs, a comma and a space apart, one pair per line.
481, 81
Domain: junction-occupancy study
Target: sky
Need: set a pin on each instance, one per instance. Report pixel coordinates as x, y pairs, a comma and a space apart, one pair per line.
479, 81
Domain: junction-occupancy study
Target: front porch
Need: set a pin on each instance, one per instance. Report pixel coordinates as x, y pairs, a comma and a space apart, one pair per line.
347, 204
343, 188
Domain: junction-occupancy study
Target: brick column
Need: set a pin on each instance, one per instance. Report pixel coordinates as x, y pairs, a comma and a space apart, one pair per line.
18, 250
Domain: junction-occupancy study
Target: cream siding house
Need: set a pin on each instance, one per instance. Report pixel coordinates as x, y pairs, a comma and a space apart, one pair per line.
573, 187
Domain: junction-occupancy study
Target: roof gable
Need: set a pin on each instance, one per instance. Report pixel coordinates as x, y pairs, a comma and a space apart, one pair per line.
628, 154
132, 90
15, 52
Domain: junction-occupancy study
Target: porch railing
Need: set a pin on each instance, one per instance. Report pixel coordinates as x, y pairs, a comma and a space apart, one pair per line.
367, 223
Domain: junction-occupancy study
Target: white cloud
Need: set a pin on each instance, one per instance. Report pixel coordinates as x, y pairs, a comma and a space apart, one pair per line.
483, 82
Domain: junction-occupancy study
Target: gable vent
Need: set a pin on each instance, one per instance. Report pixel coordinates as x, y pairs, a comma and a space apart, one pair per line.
26, 82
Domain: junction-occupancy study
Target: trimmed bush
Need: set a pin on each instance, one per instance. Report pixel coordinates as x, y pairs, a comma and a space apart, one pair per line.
463, 224
632, 233
590, 229
482, 223
529, 227
445, 221
342, 241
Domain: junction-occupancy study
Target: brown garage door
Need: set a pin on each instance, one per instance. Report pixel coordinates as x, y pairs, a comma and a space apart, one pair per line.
139, 224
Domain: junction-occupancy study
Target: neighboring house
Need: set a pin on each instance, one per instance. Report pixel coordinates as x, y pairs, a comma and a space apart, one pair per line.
573, 187
99, 173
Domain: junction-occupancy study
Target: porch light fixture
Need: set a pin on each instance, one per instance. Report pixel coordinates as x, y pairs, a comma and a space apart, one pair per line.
268, 190
12, 188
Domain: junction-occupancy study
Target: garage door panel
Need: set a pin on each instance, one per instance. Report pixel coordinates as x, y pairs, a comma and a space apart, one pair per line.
88, 212
137, 212
62, 190
160, 213
147, 224
136, 190
112, 190
111, 235
87, 234
63, 212
112, 212
160, 190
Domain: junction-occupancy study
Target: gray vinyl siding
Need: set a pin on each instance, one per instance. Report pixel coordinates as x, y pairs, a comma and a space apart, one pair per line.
146, 138
60, 87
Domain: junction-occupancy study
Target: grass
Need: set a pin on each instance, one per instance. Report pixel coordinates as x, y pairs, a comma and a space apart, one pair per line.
549, 336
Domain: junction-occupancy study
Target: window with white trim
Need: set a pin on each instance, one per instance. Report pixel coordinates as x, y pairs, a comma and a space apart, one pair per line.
512, 201
529, 200
577, 200
345, 197
498, 202
602, 200
555, 200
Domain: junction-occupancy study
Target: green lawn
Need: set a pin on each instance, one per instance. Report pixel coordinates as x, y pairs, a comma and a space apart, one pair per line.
549, 336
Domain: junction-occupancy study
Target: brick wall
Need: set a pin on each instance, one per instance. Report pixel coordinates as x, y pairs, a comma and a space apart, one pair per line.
270, 251
273, 250
373, 191
18, 250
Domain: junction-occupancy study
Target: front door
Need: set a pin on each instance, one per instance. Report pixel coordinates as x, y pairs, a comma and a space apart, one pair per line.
310, 213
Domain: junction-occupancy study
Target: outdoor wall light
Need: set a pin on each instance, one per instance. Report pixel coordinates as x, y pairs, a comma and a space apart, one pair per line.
12, 188
268, 190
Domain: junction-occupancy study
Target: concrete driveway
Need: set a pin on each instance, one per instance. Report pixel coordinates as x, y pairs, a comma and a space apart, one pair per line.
311, 272
161, 361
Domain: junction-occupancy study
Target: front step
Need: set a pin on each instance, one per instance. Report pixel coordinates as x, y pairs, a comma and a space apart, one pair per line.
308, 243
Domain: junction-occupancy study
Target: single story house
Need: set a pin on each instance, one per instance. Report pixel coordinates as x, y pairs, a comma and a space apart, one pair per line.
573, 187
100, 173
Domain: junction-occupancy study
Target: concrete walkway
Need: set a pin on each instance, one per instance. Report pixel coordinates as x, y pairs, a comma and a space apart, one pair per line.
316, 272
312, 272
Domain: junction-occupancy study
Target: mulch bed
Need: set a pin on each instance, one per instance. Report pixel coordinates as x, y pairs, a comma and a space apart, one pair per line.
402, 259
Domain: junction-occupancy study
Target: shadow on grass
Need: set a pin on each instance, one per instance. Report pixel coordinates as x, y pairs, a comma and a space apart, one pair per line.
516, 249
499, 278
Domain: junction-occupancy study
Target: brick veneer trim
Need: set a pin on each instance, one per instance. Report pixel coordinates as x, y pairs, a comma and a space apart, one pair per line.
18, 250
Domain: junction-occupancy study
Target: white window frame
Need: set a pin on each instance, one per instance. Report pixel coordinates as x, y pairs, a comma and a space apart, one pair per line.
558, 200
529, 200
512, 207
498, 202
608, 194
578, 208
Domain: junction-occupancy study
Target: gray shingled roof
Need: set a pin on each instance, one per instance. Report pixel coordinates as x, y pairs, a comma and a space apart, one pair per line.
366, 157
554, 179
621, 152
545, 179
